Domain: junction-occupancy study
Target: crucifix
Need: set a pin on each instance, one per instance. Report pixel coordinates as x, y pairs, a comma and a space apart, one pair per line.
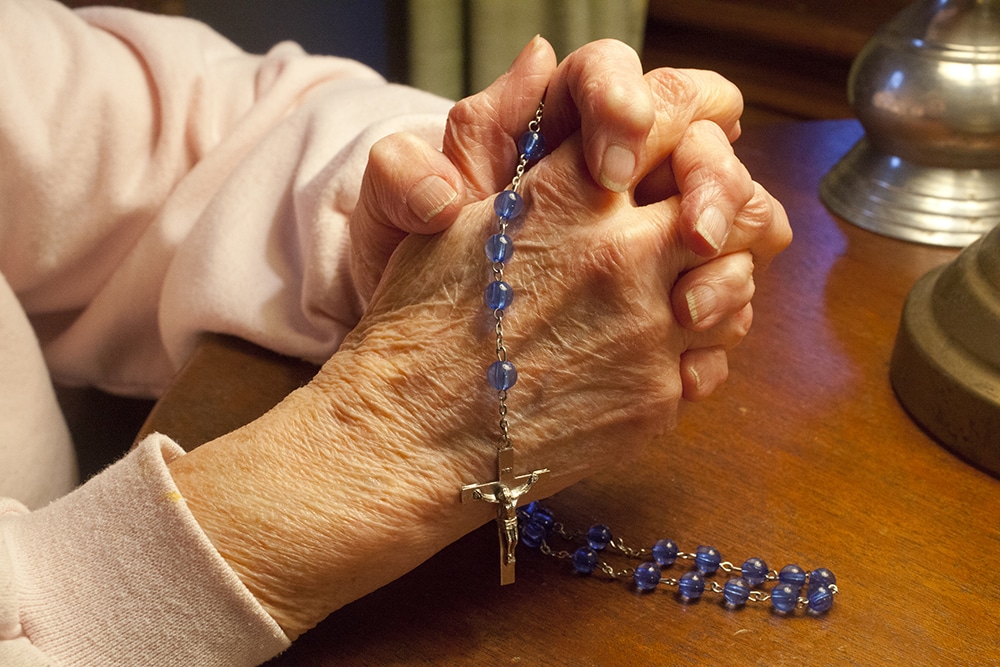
505, 493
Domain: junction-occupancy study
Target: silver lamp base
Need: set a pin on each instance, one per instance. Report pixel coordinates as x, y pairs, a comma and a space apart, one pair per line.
933, 205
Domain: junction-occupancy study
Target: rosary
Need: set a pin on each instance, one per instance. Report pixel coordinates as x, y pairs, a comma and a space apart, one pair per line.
502, 374
535, 525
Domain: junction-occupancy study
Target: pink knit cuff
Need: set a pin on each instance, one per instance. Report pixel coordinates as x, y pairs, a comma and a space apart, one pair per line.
119, 573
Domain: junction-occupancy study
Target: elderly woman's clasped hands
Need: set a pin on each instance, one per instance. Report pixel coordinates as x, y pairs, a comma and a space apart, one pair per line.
633, 274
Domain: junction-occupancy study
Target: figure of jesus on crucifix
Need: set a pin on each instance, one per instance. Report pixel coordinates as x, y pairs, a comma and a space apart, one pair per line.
505, 492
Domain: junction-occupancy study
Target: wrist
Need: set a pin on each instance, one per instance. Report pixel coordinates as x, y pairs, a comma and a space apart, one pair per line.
338, 477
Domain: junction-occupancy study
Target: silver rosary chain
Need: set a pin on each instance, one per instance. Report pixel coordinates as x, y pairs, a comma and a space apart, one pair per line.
498, 276
501, 354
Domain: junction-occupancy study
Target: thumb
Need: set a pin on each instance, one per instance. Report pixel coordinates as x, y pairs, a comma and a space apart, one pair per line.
482, 131
408, 187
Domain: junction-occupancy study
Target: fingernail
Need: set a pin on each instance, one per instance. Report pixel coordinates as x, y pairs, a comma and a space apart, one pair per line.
430, 196
529, 49
617, 167
700, 302
713, 227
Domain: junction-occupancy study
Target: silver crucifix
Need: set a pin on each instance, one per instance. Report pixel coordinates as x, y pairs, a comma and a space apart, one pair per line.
505, 492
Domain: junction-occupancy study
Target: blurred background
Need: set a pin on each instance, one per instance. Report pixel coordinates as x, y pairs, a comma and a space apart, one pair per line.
791, 58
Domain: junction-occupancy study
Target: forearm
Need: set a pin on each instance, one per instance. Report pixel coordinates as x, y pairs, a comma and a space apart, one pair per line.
324, 499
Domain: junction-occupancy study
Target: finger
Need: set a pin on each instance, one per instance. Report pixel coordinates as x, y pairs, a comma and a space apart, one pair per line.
727, 333
482, 131
762, 227
600, 89
407, 187
714, 186
702, 372
682, 97
687, 95
707, 294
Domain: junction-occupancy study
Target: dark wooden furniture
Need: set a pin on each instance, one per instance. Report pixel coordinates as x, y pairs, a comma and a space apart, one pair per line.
157, 6
790, 58
805, 456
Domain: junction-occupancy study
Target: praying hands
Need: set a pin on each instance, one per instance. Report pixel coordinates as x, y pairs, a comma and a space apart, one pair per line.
598, 91
161, 184
634, 273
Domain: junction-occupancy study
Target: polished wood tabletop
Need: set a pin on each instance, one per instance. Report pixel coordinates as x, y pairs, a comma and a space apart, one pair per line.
805, 457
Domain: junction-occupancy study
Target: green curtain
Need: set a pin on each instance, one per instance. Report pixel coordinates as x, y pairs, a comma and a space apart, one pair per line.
457, 47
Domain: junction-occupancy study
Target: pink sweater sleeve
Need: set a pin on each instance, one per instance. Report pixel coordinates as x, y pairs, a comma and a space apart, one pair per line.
119, 573
156, 183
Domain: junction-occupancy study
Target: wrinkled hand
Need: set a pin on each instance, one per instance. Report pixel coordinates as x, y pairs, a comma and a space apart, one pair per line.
599, 90
592, 329
622, 303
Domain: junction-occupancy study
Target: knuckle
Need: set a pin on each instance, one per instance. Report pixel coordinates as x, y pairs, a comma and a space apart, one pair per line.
742, 321
764, 215
603, 51
462, 112
382, 152
759, 211
390, 151
675, 87
706, 94
707, 162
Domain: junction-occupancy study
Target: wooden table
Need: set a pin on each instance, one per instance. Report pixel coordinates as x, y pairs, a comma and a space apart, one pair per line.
805, 456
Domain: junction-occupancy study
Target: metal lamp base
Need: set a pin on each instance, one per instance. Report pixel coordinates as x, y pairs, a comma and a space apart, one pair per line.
932, 205
945, 366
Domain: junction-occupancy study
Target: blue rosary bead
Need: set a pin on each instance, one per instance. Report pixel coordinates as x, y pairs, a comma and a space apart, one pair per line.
665, 552
499, 248
533, 533
707, 559
784, 597
542, 516
585, 560
647, 576
508, 205
737, 591
794, 575
754, 571
525, 512
531, 145
501, 375
691, 585
820, 599
498, 295
820, 577
599, 536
